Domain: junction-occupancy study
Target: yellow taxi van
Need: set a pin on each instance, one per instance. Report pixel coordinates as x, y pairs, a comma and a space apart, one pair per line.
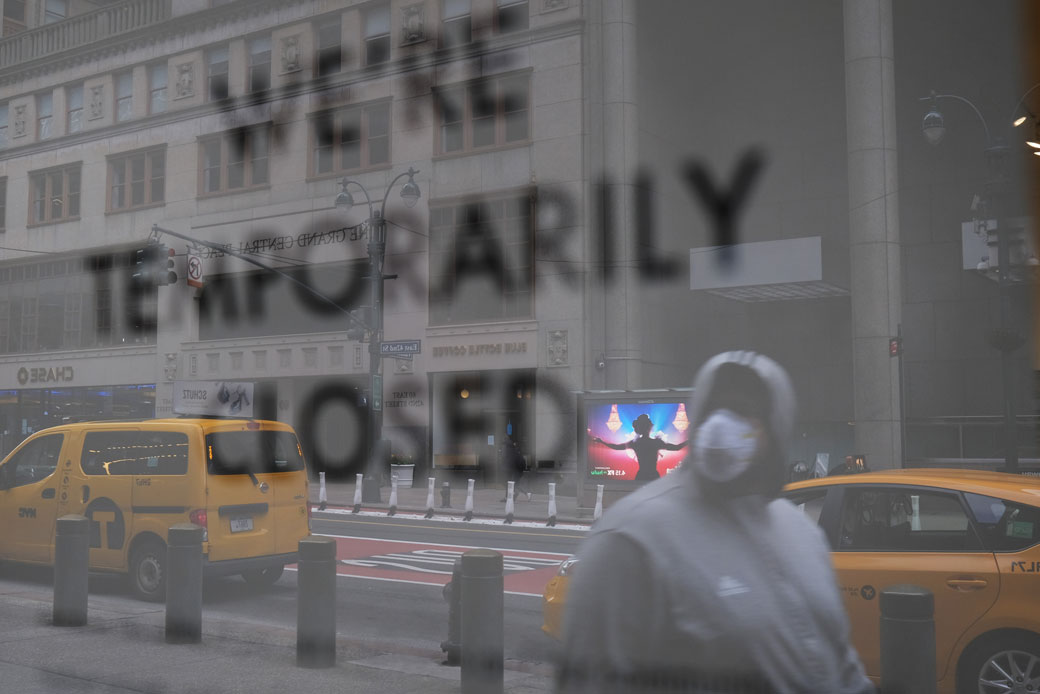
243, 481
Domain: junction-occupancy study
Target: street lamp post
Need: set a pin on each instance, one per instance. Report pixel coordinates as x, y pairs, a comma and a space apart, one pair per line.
378, 452
1004, 339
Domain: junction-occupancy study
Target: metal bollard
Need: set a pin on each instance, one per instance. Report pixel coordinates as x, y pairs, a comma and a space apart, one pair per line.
184, 584
453, 595
483, 623
907, 640
316, 603
445, 495
71, 553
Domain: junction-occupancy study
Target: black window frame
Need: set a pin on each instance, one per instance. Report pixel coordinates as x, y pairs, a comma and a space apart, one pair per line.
157, 94
512, 16
328, 56
456, 30
217, 73
44, 122
74, 112
258, 68
123, 97
9, 477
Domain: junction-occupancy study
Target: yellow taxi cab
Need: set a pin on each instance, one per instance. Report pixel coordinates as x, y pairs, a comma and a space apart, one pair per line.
972, 538
243, 481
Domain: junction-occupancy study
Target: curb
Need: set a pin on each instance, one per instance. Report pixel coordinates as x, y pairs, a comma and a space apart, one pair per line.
384, 508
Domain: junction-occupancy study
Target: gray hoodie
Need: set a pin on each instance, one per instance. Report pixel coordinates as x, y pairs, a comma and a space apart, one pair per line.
682, 589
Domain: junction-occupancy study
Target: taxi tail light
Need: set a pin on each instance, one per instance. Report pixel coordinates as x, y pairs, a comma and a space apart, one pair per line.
199, 517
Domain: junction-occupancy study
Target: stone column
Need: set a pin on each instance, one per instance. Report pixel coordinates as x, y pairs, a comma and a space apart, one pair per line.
611, 148
874, 246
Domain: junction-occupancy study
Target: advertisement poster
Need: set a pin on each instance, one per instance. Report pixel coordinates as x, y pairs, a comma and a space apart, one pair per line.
635, 441
213, 398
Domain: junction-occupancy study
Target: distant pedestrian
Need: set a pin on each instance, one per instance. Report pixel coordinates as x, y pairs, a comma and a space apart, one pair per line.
515, 466
705, 581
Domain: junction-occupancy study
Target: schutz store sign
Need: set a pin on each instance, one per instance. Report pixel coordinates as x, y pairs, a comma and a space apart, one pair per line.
213, 398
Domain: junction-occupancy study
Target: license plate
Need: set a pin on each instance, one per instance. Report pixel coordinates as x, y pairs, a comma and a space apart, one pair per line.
239, 525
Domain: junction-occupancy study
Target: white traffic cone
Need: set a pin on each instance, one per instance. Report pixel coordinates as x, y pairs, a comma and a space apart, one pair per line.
552, 504
598, 511
509, 501
323, 497
393, 495
469, 500
431, 481
357, 492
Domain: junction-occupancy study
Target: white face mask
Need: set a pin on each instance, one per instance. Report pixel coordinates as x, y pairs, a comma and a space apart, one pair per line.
725, 446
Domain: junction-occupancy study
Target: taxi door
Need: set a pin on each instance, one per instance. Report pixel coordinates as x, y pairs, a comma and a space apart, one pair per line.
897, 534
101, 479
28, 504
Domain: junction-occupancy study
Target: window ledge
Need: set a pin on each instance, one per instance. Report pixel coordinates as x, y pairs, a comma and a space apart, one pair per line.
483, 150
236, 191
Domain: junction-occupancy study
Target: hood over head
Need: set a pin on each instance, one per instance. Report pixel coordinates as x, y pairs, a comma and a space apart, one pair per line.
731, 390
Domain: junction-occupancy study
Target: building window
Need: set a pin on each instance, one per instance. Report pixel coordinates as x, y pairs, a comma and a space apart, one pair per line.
329, 56
14, 17
260, 64
3, 126
55, 11
3, 205
54, 194
136, 180
377, 34
44, 111
348, 139
481, 260
217, 73
157, 75
456, 28
234, 160
512, 16
484, 114
124, 96
74, 105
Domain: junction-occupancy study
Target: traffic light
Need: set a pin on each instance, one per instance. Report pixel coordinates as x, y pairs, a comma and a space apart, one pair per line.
166, 274
361, 324
153, 266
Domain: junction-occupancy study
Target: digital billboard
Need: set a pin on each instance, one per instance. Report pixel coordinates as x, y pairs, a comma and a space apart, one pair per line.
631, 438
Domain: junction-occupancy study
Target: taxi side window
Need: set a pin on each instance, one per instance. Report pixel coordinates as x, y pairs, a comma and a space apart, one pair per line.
135, 453
37, 460
1005, 526
900, 520
809, 501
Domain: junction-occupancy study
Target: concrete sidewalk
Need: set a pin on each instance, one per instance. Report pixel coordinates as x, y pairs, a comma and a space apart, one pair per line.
122, 650
487, 501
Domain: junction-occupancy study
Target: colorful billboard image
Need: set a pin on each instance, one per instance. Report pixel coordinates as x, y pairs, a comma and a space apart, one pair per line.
634, 441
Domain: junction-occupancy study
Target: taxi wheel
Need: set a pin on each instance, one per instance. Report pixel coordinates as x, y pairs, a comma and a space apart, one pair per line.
263, 578
148, 571
1006, 663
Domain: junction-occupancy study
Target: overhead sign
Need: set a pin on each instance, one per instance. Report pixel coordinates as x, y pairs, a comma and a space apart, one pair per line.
401, 347
213, 398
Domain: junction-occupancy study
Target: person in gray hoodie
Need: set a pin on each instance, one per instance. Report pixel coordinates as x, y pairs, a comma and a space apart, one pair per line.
704, 580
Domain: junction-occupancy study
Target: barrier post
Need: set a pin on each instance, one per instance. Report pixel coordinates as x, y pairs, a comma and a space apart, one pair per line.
453, 595
483, 623
316, 603
393, 495
552, 505
907, 640
358, 485
71, 554
323, 495
184, 584
445, 495
510, 508
469, 500
598, 510
430, 482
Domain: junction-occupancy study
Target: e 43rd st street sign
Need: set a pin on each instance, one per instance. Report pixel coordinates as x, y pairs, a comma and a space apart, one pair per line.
400, 348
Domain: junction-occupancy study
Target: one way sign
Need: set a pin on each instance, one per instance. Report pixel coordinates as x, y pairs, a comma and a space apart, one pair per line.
400, 347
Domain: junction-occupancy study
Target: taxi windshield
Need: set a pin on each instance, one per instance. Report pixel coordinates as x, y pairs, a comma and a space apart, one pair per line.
253, 452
